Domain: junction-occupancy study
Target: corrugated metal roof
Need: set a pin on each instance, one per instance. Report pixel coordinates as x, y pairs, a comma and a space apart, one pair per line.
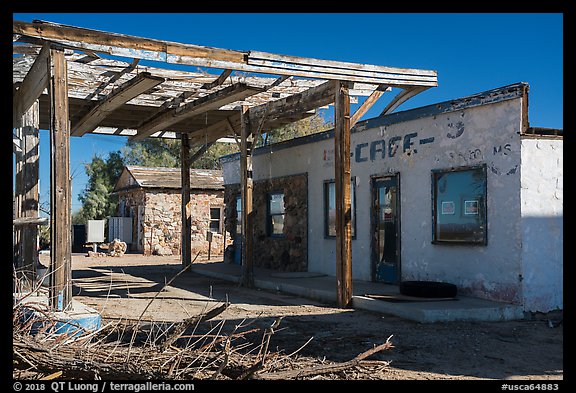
159, 177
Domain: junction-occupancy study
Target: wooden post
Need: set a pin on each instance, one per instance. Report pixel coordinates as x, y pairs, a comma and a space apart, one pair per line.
247, 185
29, 187
343, 208
60, 195
18, 199
186, 238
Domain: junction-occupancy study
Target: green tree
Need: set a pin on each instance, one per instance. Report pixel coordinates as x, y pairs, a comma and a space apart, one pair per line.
153, 152
97, 203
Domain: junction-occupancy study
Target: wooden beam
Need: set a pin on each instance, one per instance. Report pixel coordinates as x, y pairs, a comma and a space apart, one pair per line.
201, 151
342, 185
34, 83
120, 44
60, 195
199, 106
367, 104
402, 97
186, 238
127, 91
247, 185
312, 98
225, 74
30, 183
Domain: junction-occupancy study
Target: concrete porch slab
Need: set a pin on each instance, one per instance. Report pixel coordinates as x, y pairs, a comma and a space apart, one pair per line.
322, 288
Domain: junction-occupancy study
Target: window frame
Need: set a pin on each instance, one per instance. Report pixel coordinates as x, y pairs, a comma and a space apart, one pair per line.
238, 214
462, 197
269, 215
220, 218
326, 209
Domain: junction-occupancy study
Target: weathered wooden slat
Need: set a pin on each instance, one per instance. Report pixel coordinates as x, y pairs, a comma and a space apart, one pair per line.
253, 55
201, 105
120, 44
225, 74
296, 103
32, 86
402, 97
136, 86
342, 188
60, 195
343, 72
367, 104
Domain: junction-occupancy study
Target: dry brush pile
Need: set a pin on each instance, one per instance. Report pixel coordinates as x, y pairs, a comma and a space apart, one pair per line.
199, 347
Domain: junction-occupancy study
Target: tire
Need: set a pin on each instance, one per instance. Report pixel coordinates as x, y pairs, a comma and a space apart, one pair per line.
431, 289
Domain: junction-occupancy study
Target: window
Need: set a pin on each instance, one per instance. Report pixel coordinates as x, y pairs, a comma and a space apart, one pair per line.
275, 219
459, 205
216, 219
330, 207
238, 215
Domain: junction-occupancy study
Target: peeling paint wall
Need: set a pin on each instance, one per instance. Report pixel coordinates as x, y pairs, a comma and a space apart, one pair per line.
542, 223
485, 133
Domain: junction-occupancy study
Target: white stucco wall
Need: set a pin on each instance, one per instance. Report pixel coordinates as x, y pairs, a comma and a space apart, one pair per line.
542, 223
470, 136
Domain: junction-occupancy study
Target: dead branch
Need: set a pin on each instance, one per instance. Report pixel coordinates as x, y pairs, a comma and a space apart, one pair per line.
324, 369
181, 328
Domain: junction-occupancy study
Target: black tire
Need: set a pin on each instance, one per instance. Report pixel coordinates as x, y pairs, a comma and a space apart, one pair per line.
432, 289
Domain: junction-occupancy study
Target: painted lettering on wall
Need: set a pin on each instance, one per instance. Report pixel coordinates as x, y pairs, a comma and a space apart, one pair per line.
505, 150
380, 148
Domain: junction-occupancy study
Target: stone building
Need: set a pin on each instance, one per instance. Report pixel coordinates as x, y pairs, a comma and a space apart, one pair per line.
463, 191
152, 198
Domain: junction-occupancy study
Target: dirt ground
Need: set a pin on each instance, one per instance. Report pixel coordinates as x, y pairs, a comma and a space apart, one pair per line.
524, 350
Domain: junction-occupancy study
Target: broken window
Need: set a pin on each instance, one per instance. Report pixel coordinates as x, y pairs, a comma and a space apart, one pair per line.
275, 217
459, 205
330, 207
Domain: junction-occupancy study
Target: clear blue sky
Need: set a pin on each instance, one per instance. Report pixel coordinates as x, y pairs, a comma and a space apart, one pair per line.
471, 52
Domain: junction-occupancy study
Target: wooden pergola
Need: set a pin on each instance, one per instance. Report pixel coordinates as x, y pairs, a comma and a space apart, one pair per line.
68, 80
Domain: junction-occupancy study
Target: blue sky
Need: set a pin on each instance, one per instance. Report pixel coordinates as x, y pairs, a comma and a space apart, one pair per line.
471, 52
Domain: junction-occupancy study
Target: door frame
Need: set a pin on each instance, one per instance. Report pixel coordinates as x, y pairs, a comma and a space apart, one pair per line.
373, 251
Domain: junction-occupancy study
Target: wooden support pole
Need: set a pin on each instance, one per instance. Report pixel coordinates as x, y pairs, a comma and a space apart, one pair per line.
343, 207
247, 184
29, 187
60, 195
186, 238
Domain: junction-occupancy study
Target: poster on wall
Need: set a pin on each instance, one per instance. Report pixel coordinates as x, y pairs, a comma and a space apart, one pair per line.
471, 207
448, 207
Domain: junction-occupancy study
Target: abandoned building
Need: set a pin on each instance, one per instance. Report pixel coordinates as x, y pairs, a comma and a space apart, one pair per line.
463, 191
152, 198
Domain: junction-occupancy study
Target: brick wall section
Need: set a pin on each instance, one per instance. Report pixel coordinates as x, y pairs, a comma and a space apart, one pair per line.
286, 253
161, 223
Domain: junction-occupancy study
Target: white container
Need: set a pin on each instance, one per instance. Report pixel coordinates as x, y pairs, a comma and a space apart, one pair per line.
95, 231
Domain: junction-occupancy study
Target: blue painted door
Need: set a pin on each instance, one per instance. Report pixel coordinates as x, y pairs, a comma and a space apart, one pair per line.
385, 230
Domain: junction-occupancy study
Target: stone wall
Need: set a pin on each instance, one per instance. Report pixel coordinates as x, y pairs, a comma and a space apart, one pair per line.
161, 221
290, 251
